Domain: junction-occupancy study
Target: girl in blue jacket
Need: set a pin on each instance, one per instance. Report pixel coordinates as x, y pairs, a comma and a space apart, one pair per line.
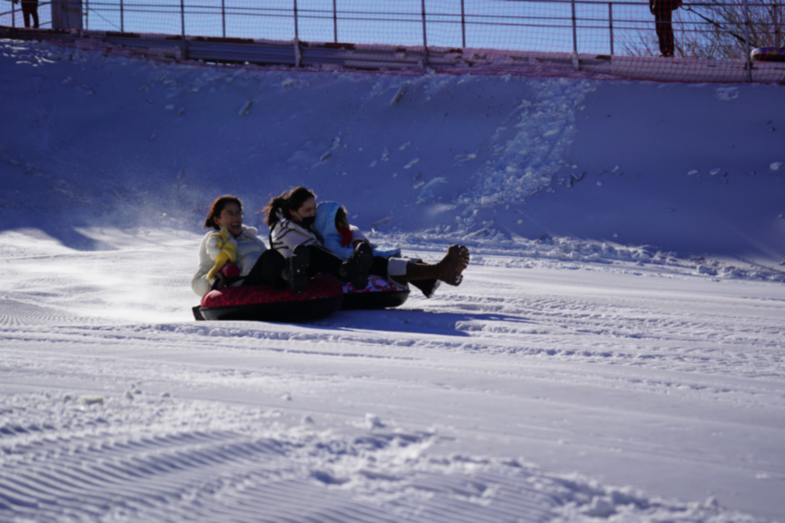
340, 238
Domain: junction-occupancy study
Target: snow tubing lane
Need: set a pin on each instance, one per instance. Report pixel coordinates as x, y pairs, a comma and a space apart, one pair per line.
264, 303
378, 294
768, 54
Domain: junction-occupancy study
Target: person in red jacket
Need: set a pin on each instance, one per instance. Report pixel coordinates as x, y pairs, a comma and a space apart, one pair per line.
663, 16
29, 11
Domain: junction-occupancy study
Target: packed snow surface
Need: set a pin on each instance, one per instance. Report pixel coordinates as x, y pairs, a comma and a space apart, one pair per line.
615, 352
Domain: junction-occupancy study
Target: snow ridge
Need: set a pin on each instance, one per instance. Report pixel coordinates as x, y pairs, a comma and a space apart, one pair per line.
530, 146
92, 458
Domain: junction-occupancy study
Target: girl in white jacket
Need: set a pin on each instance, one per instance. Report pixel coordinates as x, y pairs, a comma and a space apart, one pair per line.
231, 253
290, 217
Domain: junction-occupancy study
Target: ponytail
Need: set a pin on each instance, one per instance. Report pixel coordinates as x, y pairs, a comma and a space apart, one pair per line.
276, 209
280, 206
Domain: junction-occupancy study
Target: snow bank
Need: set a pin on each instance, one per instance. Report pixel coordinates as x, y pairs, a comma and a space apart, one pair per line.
607, 169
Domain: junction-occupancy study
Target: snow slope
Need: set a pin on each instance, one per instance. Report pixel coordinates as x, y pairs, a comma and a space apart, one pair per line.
615, 353
694, 169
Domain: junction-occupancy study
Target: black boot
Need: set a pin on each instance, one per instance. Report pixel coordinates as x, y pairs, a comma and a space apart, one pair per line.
428, 287
296, 270
356, 268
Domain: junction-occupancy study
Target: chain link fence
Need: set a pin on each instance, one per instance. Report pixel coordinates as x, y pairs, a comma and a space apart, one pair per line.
578, 31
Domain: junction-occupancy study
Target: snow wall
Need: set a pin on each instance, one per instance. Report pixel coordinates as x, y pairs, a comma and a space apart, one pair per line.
92, 139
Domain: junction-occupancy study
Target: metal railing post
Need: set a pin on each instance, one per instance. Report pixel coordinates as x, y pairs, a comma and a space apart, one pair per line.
424, 35
747, 38
610, 23
776, 20
335, 21
86, 15
296, 28
463, 24
122, 17
13, 18
575, 61
223, 18
182, 26
297, 51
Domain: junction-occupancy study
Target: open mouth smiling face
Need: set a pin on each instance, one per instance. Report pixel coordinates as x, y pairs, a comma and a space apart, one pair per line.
231, 217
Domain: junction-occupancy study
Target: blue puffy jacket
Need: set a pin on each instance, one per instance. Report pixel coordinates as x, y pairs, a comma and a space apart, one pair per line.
324, 226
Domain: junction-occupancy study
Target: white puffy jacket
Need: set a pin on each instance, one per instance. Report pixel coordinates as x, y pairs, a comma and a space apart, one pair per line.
249, 249
286, 235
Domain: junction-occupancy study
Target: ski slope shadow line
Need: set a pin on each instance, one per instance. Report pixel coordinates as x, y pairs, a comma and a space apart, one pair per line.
411, 321
66, 235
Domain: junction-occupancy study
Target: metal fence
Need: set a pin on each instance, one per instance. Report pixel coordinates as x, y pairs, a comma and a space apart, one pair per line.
705, 30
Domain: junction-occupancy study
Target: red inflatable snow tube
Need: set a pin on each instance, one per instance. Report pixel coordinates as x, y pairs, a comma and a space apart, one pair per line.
323, 296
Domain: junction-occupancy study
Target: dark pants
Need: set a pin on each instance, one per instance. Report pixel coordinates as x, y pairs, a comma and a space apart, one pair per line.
326, 262
662, 20
379, 267
268, 267
323, 261
30, 10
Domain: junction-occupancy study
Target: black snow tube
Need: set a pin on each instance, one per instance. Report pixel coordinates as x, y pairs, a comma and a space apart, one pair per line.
378, 294
323, 297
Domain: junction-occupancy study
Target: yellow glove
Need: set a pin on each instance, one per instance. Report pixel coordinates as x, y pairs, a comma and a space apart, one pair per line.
228, 252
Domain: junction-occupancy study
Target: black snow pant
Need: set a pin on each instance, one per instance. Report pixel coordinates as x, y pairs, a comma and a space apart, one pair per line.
270, 264
267, 269
379, 267
663, 22
30, 10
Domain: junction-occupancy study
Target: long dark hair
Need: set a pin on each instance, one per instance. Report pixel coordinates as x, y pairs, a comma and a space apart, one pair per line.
287, 201
217, 208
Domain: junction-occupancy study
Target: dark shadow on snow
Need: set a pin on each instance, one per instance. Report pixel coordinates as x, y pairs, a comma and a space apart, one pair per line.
70, 238
414, 321
46, 226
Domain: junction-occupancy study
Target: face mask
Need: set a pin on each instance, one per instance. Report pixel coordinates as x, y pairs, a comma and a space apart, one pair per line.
307, 221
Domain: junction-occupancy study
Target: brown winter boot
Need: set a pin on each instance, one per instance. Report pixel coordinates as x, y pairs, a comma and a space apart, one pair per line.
449, 269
